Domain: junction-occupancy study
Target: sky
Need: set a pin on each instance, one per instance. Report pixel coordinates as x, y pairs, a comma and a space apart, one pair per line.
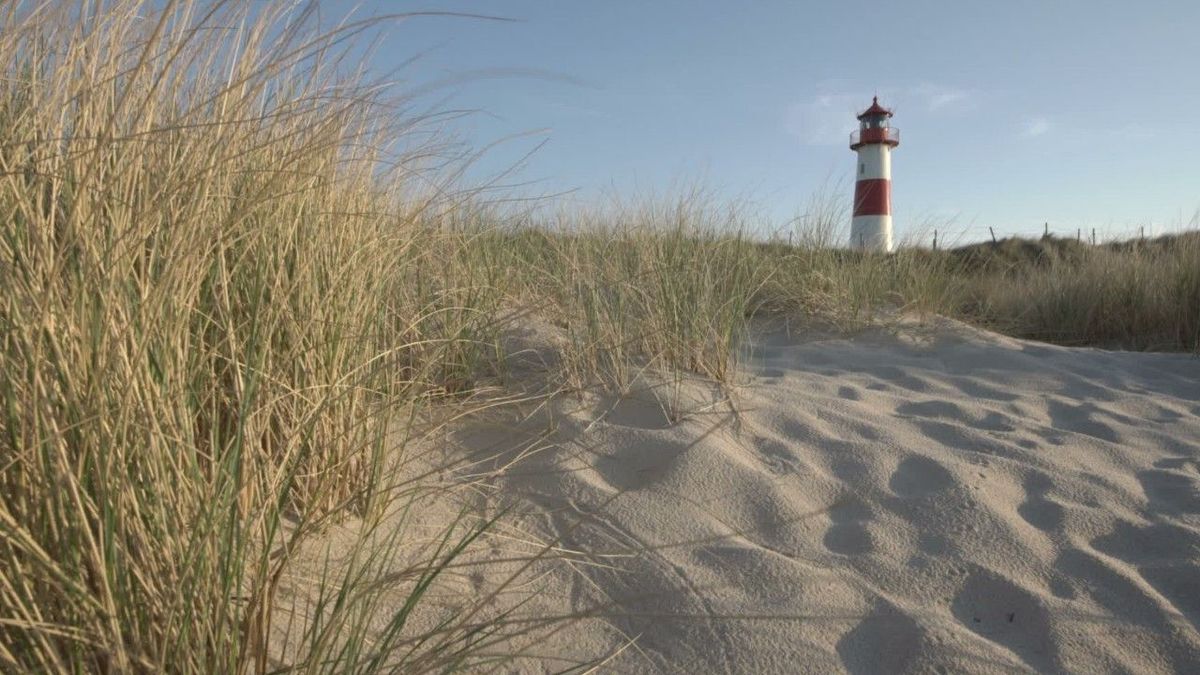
1012, 113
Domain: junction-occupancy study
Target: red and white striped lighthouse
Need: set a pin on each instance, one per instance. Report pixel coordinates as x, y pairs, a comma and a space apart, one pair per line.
871, 228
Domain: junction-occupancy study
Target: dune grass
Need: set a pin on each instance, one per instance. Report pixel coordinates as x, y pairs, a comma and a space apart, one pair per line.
216, 299
661, 285
1139, 295
227, 301
1142, 295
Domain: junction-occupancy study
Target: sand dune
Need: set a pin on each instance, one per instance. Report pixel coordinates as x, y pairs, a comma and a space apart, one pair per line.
934, 499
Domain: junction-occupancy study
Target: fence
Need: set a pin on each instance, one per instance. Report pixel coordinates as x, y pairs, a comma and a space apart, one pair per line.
943, 236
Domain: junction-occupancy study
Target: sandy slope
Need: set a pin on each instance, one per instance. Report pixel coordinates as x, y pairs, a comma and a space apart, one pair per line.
933, 500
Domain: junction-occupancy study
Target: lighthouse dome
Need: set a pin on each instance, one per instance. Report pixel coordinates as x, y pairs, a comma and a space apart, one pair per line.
875, 110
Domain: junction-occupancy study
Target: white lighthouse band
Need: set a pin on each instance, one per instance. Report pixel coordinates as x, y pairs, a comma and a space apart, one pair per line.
871, 226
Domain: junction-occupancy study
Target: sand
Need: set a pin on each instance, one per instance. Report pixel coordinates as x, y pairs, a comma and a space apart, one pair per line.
924, 499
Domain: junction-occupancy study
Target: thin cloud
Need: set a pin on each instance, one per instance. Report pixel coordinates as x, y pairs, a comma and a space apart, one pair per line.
1034, 127
828, 117
940, 98
938, 101
947, 100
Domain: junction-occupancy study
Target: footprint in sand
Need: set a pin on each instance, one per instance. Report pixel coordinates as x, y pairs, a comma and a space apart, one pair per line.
1167, 415
1080, 419
776, 455
1164, 554
1178, 463
995, 421
1178, 583
1003, 612
637, 466
918, 476
1155, 542
1037, 510
1114, 589
849, 393
976, 389
886, 641
848, 535
934, 409
633, 413
898, 377
1171, 492
946, 410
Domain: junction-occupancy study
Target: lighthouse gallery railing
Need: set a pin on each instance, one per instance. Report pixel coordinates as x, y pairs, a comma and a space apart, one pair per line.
878, 135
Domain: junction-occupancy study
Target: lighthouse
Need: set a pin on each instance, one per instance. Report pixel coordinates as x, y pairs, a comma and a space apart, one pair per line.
871, 228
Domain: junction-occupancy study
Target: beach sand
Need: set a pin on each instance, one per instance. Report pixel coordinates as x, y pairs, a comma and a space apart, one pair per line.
932, 498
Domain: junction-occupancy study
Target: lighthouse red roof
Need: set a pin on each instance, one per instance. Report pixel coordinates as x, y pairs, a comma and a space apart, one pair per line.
875, 109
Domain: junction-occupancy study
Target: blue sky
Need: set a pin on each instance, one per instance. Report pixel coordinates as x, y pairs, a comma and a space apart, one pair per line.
1013, 113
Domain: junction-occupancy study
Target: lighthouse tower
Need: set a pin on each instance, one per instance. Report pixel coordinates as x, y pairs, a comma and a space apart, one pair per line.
871, 229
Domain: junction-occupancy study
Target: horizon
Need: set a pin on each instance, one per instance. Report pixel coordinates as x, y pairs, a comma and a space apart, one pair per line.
1008, 127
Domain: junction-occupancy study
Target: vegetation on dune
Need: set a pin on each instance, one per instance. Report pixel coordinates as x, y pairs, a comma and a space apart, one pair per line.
225, 302
663, 285
218, 292
678, 285
1133, 295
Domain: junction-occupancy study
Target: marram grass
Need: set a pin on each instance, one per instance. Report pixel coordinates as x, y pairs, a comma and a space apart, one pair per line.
213, 302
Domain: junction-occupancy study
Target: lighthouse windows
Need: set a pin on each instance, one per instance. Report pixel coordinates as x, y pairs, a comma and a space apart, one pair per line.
862, 168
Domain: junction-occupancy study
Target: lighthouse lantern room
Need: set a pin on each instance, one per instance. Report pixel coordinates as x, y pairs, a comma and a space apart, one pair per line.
871, 228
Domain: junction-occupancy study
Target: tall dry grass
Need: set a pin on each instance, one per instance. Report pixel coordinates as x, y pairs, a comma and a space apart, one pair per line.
661, 285
1128, 295
218, 290
1142, 295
